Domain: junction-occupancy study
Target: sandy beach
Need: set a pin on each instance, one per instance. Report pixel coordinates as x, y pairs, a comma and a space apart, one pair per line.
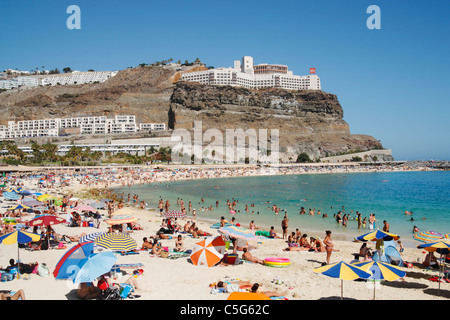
179, 279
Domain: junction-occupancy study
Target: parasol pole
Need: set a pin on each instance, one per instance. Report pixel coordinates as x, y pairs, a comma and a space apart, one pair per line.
342, 289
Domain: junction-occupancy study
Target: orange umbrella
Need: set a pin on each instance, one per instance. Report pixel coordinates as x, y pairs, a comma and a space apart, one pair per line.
208, 252
247, 296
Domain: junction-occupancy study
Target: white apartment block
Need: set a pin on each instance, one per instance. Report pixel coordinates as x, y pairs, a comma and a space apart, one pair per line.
77, 77
73, 78
247, 75
86, 125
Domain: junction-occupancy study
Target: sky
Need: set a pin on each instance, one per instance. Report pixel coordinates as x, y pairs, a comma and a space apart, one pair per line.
392, 82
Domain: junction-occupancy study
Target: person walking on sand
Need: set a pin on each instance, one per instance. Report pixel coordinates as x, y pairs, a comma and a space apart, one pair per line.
284, 225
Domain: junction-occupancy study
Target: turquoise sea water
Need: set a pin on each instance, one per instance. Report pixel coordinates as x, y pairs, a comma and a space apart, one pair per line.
388, 195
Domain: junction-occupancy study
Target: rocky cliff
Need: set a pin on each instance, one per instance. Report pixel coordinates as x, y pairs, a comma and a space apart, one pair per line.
309, 121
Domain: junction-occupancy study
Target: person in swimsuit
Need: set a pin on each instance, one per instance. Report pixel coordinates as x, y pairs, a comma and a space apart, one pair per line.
328, 245
18, 295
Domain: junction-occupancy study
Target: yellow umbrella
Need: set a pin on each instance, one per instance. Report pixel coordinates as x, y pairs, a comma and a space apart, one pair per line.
44, 197
343, 271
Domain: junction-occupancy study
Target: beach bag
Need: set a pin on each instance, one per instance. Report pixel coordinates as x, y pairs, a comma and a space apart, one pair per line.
125, 290
43, 270
102, 284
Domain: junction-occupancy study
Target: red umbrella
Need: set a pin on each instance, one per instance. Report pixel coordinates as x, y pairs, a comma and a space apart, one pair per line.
47, 220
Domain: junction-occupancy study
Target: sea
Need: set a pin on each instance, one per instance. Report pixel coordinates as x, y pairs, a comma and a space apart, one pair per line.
425, 194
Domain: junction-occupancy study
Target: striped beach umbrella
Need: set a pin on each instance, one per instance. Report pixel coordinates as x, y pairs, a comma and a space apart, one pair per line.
19, 236
427, 236
116, 242
238, 232
205, 253
31, 202
381, 271
11, 196
90, 237
343, 271
442, 247
378, 235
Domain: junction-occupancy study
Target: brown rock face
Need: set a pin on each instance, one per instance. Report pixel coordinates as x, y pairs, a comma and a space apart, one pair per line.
308, 121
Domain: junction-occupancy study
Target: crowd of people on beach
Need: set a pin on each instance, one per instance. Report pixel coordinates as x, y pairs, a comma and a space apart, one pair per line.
100, 182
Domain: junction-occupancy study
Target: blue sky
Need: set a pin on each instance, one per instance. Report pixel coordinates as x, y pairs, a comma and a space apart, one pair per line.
392, 83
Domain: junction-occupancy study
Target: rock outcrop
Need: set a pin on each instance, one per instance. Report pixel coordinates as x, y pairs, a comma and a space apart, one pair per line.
308, 121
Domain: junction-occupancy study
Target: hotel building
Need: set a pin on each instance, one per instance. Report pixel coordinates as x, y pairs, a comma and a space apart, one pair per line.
251, 76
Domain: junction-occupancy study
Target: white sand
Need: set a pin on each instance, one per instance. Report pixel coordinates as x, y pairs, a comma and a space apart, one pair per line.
179, 279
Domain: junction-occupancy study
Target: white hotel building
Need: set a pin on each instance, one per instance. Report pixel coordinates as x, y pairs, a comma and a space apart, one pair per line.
86, 125
251, 76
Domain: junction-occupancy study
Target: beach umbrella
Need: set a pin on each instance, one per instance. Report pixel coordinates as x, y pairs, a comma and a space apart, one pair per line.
378, 235
97, 205
205, 253
21, 237
116, 242
427, 236
84, 207
11, 196
343, 271
31, 202
90, 237
238, 232
247, 296
66, 265
25, 193
45, 220
94, 266
442, 247
18, 207
175, 214
381, 271
44, 197
105, 200
121, 219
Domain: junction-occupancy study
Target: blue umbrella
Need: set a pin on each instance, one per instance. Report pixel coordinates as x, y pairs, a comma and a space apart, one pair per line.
11, 196
94, 266
67, 264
